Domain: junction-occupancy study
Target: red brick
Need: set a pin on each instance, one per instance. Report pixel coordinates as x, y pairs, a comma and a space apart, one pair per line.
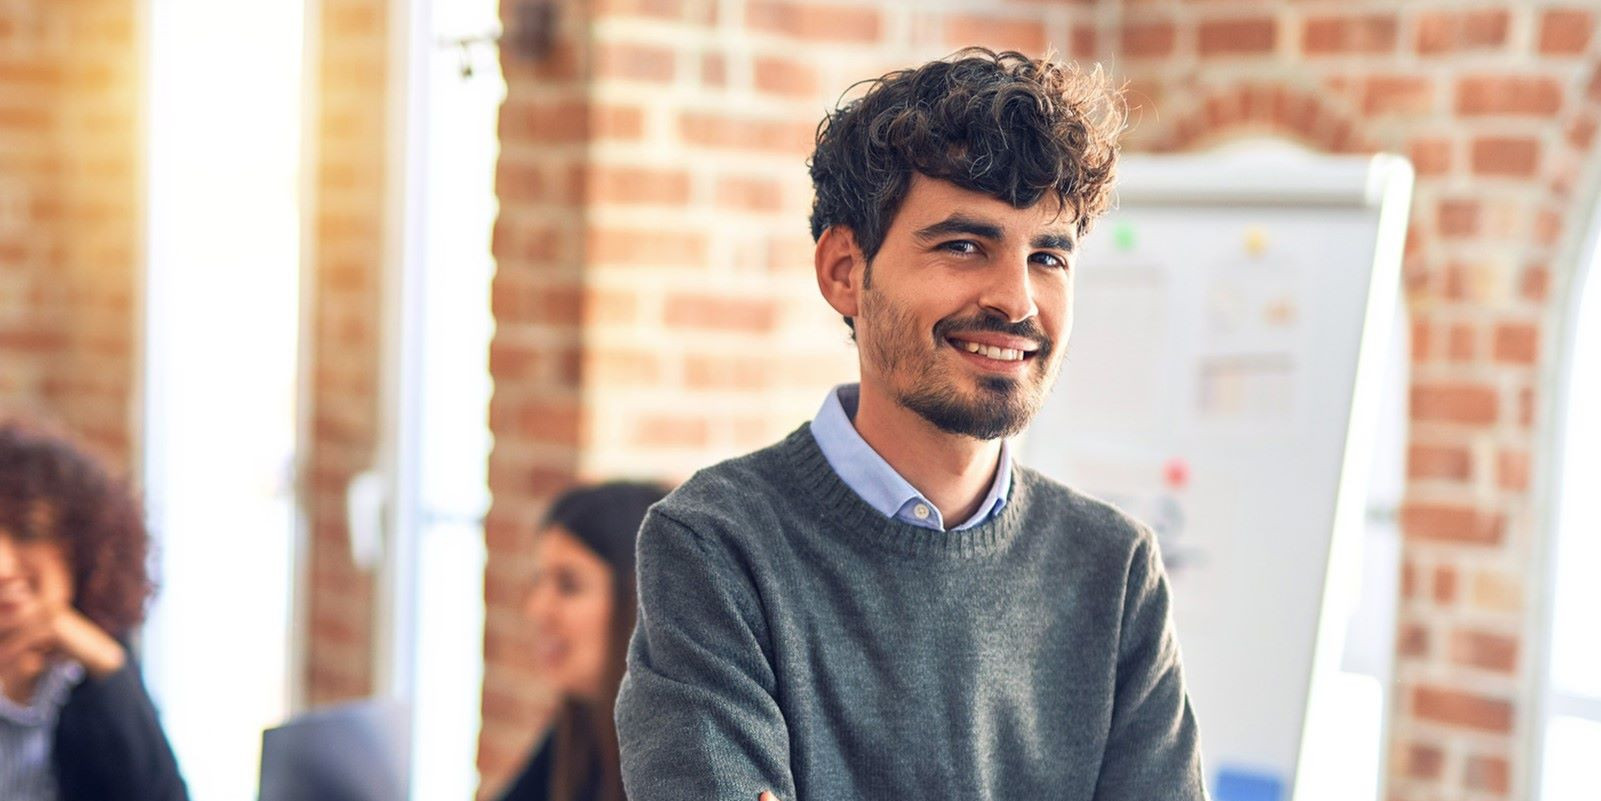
1375, 33
1517, 343
1483, 95
1423, 761
1445, 585
1084, 42
629, 61
1463, 342
1422, 341
1148, 39
782, 76
624, 185
1487, 650
671, 10
1398, 94
1458, 524
1487, 774
996, 33
721, 313
1581, 132
535, 183
1457, 708
1430, 157
1547, 226
617, 122
1439, 462
1455, 403
724, 132
1238, 36
1513, 156
714, 70
1565, 32
552, 422
818, 23
1457, 31
646, 247
1458, 218
1412, 640
621, 368
726, 373
522, 300
1512, 470
749, 194
1535, 283
544, 122
606, 307
661, 430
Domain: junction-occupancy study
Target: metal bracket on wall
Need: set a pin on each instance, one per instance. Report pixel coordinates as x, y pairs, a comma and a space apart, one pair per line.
532, 32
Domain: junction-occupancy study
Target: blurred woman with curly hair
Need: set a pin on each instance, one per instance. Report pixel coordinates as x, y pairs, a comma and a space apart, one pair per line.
75, 720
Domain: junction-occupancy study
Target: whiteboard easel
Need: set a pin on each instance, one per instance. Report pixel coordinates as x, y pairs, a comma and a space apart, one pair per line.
1223, 383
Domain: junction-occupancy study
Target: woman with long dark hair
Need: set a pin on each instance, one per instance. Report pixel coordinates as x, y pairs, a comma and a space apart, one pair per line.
581, 604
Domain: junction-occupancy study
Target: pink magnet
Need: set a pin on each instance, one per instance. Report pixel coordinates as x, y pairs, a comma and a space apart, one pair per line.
1176, 472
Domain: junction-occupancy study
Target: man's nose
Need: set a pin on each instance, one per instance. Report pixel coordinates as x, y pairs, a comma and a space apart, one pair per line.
1010, 291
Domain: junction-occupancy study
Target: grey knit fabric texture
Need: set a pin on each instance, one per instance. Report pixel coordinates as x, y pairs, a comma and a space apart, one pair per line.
791, 638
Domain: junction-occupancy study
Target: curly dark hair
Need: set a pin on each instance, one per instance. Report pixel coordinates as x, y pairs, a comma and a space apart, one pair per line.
52, 489
1013, 127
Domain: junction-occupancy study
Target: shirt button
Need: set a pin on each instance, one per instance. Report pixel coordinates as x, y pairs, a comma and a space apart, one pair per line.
920, 512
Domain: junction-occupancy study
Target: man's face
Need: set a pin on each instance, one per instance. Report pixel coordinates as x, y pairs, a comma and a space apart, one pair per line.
966, 316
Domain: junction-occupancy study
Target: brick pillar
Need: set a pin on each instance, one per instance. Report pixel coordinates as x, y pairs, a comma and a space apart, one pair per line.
347, 237
655, 303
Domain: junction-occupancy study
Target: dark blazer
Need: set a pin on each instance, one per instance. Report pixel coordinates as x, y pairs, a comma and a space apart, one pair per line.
109, 745
533, 783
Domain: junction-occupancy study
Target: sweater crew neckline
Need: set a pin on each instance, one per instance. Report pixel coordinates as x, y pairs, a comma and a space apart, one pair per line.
840, 504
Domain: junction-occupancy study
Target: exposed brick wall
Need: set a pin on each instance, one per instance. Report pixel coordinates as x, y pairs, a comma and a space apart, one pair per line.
347, 236
69, 217
655, 300
1496, 104
656, 309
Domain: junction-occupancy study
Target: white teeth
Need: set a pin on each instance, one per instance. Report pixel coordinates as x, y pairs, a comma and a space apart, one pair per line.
992, 352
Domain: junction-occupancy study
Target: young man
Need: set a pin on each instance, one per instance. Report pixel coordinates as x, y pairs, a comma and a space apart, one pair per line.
883, 605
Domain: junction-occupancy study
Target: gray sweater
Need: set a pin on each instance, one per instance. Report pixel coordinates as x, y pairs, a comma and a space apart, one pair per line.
791, 638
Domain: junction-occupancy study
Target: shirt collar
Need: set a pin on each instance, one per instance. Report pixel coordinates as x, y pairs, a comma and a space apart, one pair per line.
48, 696
872, 478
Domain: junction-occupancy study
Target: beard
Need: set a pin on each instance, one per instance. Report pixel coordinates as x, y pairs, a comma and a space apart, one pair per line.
999, 406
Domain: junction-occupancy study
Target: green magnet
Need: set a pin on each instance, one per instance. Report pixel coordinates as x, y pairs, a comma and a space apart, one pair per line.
1123, 236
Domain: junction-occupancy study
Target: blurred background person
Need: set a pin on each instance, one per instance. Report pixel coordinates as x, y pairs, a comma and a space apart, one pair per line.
75, 720
582, 605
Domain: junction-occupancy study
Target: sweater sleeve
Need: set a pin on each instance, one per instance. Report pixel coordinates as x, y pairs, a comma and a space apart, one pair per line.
109, 745
696, 715
1153, 747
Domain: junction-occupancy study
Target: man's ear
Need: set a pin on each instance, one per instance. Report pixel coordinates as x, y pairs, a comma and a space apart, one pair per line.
841, 269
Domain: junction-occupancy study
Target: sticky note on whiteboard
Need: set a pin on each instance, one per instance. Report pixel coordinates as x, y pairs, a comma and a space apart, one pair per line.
1235, 783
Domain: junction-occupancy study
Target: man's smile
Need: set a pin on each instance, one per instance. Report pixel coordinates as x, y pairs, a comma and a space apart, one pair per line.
994, 347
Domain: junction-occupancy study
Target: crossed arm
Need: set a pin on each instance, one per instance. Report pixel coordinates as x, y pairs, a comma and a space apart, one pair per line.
697, 715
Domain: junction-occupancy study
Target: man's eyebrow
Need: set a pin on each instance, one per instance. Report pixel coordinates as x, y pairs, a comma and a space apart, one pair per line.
959, 224
1061, 242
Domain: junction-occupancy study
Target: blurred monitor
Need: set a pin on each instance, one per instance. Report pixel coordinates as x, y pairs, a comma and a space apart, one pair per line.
358, 751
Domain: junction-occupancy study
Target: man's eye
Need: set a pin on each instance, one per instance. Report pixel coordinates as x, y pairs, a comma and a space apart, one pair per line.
961, 246
1050, 260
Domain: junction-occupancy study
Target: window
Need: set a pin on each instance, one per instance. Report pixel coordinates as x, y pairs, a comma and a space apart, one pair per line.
1570, 728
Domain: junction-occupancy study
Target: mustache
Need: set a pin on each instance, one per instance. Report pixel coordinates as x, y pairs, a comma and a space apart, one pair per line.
1028, 329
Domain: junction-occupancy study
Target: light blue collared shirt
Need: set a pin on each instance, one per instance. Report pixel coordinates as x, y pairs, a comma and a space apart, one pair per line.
869, 476
27, 735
